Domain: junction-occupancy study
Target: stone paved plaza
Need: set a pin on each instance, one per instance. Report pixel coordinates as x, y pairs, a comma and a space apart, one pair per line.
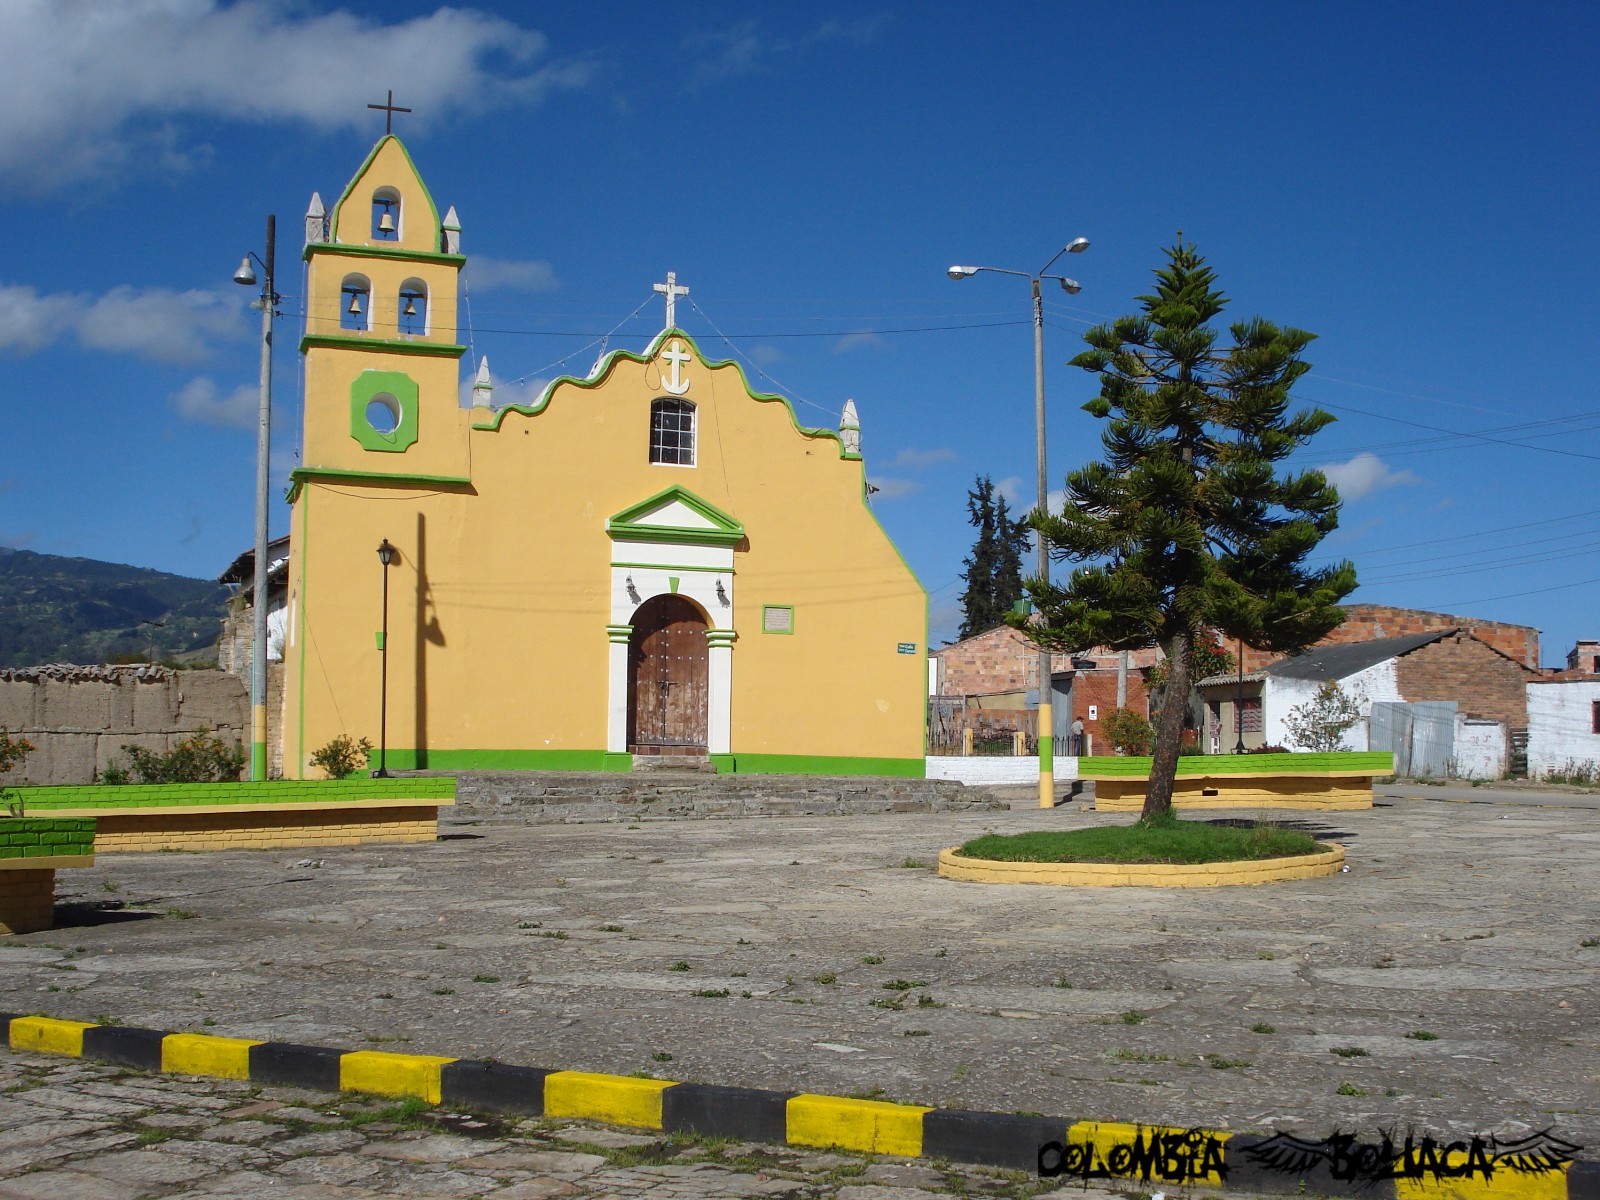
72, 1130
1443, 984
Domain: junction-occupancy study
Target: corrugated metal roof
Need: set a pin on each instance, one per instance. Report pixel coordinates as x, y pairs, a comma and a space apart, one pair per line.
1340, 662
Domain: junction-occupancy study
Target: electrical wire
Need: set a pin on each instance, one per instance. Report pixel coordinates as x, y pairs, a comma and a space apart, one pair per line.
749, 362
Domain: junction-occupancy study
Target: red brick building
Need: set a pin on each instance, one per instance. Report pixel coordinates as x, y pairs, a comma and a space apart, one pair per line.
1371, 622
995, 670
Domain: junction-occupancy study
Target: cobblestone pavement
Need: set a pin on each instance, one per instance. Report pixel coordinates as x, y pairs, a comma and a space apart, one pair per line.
77, 1130
1449, 983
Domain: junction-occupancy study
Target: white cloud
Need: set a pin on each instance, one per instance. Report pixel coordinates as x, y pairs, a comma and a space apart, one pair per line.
764, 355
506, 392
893, 489
200, 400
1019, 495
745, 48
917, 460
29, 321
154, 323
88, 88
854, 341
1364, 474
164, 325
504, 274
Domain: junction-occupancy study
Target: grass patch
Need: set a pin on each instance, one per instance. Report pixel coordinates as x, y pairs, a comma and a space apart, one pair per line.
1163, 840
1350, 1089
1263, 1028
1422, 1035
1348, 1052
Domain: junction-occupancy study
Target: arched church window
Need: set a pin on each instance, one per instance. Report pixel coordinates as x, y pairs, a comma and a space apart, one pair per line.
355, 303
672, 432
413, 307
386, 215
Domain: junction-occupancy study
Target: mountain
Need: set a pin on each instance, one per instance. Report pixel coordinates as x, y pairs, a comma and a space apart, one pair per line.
79, 610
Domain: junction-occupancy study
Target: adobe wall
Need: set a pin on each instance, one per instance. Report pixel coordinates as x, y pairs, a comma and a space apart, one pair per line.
1462, 668
79, 717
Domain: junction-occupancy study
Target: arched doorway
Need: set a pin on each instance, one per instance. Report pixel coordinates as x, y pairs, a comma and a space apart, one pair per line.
667, 676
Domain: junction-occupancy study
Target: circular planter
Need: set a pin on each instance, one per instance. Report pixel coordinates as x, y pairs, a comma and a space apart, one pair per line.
953, 865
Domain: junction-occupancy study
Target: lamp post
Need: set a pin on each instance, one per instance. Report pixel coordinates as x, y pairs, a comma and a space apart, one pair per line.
385, 556
1238, 701
1047, 773
258, 638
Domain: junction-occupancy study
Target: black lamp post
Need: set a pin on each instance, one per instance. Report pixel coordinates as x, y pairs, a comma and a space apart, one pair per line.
385, 556
1238, 702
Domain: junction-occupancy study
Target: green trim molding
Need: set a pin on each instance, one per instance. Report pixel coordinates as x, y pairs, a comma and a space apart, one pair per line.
303, 475
603, 370
819, 764
726, 531
367, 387
45, 837
366, 165
336, 341
422, 256
601, 760
1346, 762
411, 759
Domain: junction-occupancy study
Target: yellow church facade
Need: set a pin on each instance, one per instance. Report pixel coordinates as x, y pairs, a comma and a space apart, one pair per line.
651, 560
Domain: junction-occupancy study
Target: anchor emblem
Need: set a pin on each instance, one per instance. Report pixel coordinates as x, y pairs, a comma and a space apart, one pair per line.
677, 357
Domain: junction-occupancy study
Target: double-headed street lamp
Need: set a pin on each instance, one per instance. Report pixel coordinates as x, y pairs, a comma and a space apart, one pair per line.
246, 275
1047, 773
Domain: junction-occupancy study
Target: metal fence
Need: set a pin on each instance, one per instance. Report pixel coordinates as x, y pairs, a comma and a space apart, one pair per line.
994, 730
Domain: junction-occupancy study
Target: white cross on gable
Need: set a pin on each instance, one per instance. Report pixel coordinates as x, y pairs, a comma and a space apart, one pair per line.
671, 291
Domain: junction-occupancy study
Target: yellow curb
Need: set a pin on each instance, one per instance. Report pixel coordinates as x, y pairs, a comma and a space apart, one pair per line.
874, 1126
953, 865
617, 1099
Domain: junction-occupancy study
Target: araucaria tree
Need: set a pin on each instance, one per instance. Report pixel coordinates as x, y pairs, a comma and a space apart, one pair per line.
1187, 522
994, 569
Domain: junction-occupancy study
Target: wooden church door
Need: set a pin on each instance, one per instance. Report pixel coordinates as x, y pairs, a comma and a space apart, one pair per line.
667, 681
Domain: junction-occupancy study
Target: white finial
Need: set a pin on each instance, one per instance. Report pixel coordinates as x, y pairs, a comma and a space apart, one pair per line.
482, 386
451, 232
316, 220
850, 428
671, 291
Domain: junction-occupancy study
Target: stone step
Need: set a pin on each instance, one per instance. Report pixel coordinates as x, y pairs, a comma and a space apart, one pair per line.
695, 764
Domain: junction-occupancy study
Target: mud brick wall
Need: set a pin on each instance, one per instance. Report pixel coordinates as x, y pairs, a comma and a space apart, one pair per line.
79, 717
1481, 681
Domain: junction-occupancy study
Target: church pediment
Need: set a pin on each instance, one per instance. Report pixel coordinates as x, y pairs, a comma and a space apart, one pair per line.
676, 515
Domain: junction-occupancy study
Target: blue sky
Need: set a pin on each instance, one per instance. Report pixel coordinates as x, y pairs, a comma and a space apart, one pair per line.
1414, 184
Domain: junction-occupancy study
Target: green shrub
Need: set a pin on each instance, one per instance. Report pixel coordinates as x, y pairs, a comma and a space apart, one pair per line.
1129, 732
342, 757
199, 758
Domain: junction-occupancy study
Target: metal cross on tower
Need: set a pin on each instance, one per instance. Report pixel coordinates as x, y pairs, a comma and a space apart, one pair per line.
388, 108
671, 291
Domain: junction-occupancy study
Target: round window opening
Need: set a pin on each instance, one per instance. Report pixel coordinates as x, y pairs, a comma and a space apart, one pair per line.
383, 413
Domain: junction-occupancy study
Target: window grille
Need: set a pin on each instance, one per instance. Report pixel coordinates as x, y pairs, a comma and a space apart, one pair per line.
672, 433
1247, 715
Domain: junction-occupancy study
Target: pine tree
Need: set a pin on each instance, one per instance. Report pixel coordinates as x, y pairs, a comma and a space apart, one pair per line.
1187, 523
994, 568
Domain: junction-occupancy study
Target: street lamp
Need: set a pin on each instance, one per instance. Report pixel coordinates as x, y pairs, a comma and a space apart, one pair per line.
258, 638
1047, 769
385, 556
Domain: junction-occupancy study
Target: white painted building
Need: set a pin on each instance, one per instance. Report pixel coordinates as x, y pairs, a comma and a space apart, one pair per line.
1563, 726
